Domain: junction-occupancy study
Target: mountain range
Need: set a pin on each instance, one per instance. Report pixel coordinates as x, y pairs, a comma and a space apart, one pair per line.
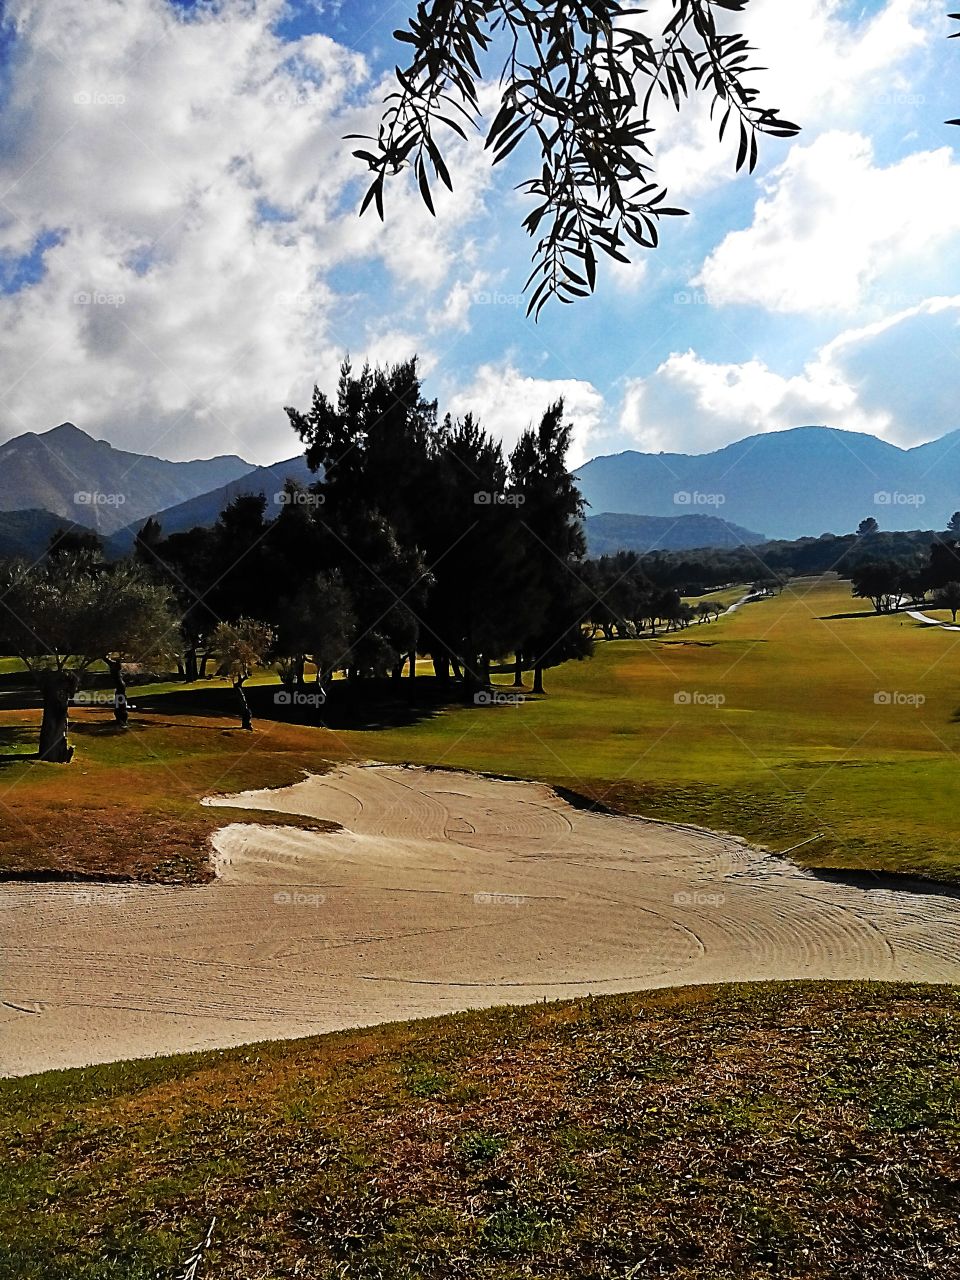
801, 482
89, 482
796, 483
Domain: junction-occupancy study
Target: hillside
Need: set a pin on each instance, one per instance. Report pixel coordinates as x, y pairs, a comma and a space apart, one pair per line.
610, 532
796, 1129
205, 507
74, 477
27, 534
805, 481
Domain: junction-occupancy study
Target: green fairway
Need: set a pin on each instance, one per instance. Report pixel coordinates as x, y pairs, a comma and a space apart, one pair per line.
798, 716
803, 743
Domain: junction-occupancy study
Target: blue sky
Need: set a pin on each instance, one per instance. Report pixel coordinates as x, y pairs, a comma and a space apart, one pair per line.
180, 255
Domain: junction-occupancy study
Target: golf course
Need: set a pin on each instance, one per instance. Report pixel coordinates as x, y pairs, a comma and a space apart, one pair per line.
760, 798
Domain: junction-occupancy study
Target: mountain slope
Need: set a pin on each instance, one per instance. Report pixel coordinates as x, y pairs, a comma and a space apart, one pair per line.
27, 534
805, 481
74, 477
611, 532
205, 507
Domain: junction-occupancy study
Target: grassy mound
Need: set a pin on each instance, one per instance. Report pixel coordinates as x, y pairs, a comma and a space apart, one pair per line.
797, 1129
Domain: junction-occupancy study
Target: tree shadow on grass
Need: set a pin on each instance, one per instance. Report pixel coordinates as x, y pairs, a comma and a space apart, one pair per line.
371, 704
862, 613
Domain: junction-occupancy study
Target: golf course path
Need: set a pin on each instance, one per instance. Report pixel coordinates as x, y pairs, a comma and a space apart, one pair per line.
440, 891
931, 622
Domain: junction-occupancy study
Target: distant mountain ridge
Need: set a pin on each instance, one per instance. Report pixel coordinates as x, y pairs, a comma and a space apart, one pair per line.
68, 473
800, 482
205, 507
611, 532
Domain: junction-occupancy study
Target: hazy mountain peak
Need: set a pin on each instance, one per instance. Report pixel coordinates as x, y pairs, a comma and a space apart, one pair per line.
801, 481
69, 473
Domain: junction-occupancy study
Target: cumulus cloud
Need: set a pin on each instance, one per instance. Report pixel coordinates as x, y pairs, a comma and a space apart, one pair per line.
885, 378
188, 178
832, 222
506, 402
825, 64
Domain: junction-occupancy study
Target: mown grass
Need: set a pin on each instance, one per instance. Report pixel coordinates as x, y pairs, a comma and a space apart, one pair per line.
796, 1130
799, 749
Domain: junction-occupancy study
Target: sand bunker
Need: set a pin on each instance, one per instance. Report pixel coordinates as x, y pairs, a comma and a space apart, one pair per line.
442, 891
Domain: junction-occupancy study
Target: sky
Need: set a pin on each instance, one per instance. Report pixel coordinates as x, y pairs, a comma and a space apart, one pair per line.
181, 256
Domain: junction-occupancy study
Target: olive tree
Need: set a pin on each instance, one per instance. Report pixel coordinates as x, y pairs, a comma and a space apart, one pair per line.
581, 80
63, 615
240, 648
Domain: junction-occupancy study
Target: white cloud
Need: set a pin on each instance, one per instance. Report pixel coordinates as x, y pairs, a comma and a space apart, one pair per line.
824, 66
195, 174
506, 402
832, 223
892, 378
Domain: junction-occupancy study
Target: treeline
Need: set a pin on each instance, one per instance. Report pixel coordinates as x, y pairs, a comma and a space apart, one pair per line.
630, 592
691, 573
419, 538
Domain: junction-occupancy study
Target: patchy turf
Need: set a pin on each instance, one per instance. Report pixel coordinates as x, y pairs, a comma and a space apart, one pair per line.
796, 1130
129, 805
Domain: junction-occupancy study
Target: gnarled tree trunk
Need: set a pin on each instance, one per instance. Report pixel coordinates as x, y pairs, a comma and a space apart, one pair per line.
57, 688
246, 717
538, 678
120, 711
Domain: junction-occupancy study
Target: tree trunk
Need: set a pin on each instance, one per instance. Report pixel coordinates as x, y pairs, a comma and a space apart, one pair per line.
538, 678
413, 665
518, 672
190, 665
246, 719
57, 688
120, 711
441, 667
299, 662
457, 673
204, 659
397, 673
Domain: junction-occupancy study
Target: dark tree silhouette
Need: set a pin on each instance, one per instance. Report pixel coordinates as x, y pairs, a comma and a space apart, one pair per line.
866, 527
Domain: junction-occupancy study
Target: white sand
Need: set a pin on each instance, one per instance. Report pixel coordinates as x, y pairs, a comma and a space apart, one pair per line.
443, 891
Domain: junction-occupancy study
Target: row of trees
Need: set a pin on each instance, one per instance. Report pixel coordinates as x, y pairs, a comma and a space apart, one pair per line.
888, 582
420, 537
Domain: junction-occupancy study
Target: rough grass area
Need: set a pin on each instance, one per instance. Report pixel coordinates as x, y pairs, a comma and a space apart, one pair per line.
128, 807
795, 1130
